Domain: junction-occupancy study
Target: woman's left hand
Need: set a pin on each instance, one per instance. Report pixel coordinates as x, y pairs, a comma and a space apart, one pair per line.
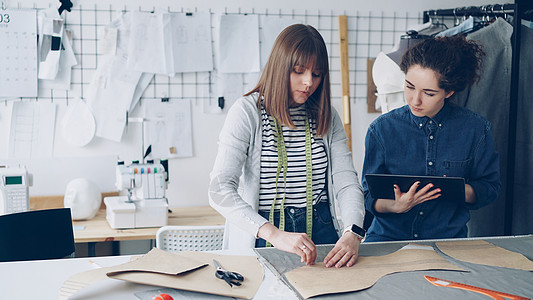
345, 252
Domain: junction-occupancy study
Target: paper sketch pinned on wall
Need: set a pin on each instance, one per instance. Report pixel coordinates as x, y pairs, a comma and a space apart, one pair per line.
110, 96
66, 62
32, 129
238, 44
169, 128
271, 27
78, 125
108, 46
169, 43
18, 54
147, 51
115, 88
50, 35
191, 42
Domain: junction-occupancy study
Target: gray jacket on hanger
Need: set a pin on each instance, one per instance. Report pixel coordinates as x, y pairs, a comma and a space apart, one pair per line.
490, 98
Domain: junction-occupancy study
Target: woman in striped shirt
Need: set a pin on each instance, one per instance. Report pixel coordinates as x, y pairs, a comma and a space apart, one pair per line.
283, 164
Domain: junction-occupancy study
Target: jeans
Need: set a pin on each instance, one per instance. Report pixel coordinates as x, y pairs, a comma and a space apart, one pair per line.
295, 221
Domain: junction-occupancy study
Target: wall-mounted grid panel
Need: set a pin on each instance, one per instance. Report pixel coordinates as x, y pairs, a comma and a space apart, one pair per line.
368, 34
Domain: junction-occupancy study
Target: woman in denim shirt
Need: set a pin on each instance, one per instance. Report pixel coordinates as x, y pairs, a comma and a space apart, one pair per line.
432, 137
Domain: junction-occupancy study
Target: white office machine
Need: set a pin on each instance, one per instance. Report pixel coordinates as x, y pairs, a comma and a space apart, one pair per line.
142, 201
14, 189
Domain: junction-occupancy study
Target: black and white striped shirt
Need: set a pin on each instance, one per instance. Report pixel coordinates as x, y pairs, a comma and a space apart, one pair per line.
296, 171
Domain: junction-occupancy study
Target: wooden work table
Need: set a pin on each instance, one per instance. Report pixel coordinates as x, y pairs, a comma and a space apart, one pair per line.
97, 229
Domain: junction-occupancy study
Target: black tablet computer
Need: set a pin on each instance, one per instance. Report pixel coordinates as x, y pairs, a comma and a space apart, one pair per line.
381, 186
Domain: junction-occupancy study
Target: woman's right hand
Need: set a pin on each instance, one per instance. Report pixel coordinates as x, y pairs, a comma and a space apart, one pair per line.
405, 201
293, 242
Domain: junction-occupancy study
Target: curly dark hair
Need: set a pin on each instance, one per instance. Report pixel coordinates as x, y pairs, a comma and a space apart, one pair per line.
454, 58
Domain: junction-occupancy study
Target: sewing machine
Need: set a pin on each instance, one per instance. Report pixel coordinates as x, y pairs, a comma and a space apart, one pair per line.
142, 201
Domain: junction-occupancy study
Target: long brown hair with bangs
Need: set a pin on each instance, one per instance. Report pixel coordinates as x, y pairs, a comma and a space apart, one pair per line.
296, 45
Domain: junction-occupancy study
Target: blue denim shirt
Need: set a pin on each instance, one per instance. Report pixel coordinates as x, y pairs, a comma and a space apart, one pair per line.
456, 142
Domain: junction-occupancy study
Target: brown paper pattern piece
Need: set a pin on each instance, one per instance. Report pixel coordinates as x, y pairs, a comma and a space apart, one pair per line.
316, 279
484, 253
158, 261
203, 279
196, 273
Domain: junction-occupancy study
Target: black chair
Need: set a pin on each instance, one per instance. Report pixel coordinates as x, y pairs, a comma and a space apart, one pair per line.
39, 234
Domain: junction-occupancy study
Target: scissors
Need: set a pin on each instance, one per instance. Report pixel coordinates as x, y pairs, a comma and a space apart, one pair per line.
232, 278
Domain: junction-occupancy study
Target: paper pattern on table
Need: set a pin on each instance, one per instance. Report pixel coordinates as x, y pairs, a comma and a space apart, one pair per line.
204, 280
317, 280
195, 273
484, 253
159, 261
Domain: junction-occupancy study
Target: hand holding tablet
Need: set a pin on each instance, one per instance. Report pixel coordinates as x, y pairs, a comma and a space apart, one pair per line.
381, 186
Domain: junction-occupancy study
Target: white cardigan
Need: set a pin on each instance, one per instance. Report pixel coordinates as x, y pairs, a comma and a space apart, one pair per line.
234, 180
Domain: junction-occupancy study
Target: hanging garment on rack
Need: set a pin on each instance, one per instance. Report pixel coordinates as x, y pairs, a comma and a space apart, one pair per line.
389, 81
467, 26
434, 29
523, 187
490, 98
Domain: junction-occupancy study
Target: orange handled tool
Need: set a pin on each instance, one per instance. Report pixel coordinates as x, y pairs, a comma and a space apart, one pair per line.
493, 294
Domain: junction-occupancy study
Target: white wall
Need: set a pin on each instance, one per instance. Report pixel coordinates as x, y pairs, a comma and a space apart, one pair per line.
189, 176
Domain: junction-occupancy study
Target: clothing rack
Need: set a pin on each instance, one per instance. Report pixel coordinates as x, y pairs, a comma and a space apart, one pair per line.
497, 10
521, 9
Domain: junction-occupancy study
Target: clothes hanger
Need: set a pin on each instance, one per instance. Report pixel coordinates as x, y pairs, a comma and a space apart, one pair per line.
436, 26
456, 19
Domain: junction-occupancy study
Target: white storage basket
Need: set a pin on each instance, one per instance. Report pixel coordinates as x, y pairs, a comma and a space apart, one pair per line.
190, 238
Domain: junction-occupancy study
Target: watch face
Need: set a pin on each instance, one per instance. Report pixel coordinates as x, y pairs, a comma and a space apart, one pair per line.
358, 230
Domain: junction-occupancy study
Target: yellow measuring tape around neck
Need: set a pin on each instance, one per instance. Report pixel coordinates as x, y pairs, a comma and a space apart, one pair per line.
282, 164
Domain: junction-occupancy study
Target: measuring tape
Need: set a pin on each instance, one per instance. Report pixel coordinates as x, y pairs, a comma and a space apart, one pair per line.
493, 294
282, 164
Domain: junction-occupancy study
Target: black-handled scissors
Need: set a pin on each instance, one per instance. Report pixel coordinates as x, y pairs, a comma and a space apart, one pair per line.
232, 278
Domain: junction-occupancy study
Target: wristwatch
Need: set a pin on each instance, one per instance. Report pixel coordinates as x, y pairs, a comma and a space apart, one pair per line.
358, 231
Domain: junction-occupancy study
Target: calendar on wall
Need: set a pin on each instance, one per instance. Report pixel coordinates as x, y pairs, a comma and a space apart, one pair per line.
18, 53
